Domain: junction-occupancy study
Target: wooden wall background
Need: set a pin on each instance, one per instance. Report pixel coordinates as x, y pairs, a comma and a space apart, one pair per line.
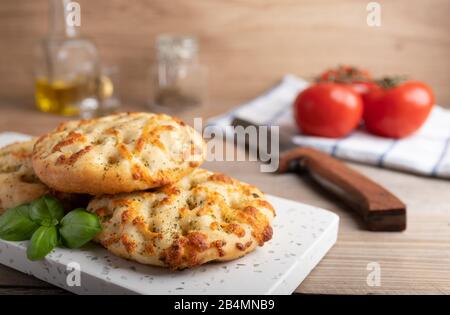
247, 44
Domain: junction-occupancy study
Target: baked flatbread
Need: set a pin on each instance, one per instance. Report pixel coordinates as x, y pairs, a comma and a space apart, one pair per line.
118, 153
18, 182
204, 217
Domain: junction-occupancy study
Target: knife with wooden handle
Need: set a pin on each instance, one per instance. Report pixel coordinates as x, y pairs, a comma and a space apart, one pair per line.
380, 209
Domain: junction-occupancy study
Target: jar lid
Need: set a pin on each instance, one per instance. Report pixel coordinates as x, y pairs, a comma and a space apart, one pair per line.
173, 47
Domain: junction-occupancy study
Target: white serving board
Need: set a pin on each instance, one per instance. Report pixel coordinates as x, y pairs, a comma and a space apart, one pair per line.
302, 235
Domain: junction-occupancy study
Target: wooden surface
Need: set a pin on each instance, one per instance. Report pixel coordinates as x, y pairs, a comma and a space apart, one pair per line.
414, 261
247, 44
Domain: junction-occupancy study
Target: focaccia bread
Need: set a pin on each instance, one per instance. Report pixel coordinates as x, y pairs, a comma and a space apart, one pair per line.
119, 153
204, 217
18, 182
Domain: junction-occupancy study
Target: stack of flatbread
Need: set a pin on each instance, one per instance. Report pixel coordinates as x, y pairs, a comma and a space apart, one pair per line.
141, 170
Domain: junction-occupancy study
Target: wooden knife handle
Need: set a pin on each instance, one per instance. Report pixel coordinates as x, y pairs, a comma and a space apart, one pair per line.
379, 208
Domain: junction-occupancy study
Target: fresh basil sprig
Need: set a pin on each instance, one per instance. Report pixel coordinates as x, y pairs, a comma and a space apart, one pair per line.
78, 227
46, 211
16, 224
44, 224
42, 242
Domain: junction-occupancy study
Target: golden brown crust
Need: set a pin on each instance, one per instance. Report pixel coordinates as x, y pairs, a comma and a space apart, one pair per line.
204, 217
118, 153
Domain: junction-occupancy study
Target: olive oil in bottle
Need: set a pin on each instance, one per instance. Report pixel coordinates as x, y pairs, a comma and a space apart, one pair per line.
57, 97
67, 68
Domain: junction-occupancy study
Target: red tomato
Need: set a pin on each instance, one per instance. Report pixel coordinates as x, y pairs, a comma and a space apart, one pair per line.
328, 110
362, 88
398, 111
345, 73
358, 79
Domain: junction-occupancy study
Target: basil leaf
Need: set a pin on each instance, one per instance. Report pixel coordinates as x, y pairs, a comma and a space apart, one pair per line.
46, 211
78, 227
16, 224
42, 242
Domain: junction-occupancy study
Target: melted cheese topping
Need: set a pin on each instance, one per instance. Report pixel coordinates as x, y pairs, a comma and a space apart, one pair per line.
204, 217
118, 153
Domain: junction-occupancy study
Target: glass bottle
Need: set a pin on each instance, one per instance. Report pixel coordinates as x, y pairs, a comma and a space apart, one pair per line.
178, 79
67, 67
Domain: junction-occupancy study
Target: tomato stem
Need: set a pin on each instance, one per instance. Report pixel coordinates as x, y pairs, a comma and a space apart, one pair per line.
344, 74
391, 82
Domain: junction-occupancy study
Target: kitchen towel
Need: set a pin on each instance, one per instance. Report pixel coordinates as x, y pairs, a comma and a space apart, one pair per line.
426, 152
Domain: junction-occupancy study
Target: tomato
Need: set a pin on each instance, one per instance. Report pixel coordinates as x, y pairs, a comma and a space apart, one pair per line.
362, 88
328, 110
397, 111
358, 79
345, 72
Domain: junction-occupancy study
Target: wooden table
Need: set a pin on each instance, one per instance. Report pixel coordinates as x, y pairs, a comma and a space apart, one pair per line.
415, 261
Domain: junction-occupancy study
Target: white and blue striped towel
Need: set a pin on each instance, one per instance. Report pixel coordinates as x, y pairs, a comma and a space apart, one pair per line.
426, 152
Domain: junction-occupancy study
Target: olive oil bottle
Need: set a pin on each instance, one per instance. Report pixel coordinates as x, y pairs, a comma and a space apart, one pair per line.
67, 67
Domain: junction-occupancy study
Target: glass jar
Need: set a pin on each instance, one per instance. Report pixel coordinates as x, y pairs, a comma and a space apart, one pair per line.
107, 90
67, 67
178, 79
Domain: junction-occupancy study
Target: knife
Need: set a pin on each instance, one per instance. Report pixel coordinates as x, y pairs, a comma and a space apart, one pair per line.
380, 209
